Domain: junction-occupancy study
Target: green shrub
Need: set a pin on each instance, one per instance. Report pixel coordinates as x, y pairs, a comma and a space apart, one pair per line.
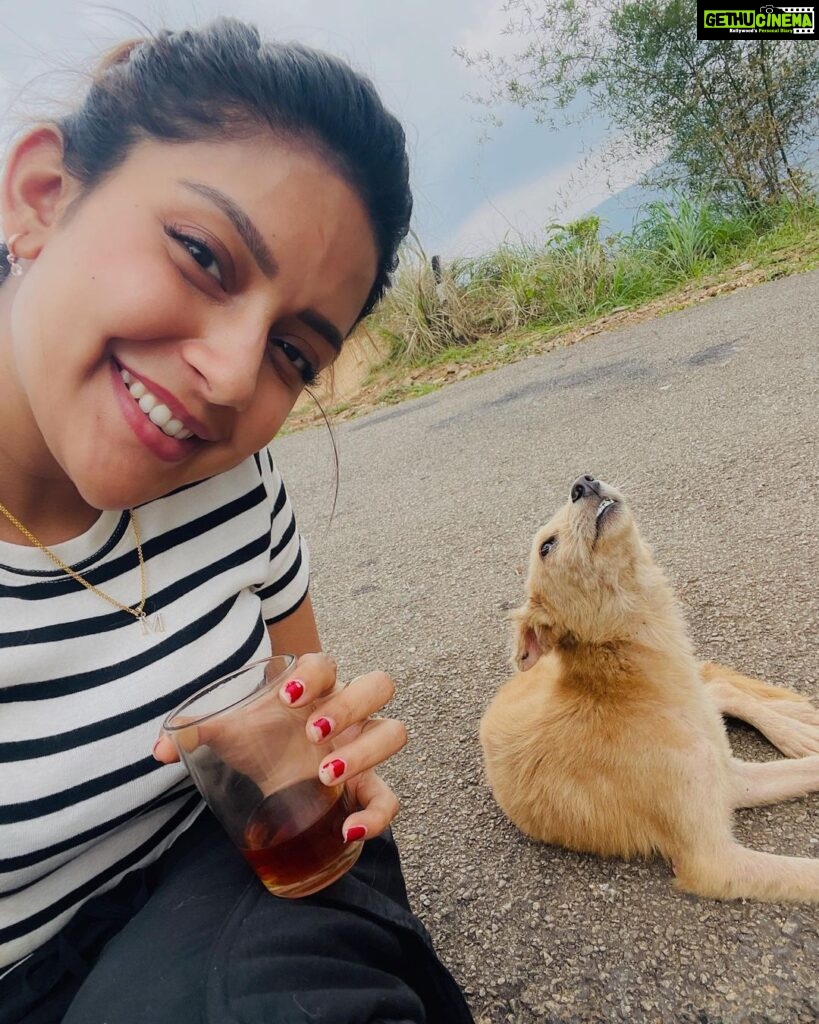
572, 275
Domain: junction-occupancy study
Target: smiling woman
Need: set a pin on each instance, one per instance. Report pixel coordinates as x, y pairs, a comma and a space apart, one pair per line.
220, 334
185, 253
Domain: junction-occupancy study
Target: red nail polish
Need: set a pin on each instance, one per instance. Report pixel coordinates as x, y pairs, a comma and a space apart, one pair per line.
355, 833
323, 726
292, 691
334, 769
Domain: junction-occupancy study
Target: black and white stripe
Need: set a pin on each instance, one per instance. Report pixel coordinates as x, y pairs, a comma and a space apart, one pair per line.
83, 691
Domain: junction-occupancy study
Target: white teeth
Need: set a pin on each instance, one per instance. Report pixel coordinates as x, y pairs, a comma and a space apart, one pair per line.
173, 428
604, 504
158, 413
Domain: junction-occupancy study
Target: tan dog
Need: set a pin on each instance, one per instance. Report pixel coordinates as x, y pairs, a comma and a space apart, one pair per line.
610, 739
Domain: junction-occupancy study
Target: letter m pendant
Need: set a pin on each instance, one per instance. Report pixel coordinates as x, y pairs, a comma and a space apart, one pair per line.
152, 624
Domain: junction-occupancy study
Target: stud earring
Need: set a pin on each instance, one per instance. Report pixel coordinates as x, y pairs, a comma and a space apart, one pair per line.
13, 260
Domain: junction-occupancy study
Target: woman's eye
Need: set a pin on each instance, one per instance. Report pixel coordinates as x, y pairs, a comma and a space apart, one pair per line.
300, 363
201, 253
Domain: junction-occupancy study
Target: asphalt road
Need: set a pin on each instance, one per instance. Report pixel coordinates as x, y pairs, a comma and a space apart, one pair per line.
708, 420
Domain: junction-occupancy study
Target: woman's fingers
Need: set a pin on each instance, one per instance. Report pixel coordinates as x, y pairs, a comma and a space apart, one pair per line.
313, 676
379, 805
342, 716
363, 697
165, 750
359, 741
378, 739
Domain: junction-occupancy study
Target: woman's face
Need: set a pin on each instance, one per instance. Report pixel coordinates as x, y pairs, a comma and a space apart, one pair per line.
169, 322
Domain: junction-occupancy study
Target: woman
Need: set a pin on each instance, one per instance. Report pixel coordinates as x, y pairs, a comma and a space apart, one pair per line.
185, 252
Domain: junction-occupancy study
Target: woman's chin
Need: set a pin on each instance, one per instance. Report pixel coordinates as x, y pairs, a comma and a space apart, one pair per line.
116, 495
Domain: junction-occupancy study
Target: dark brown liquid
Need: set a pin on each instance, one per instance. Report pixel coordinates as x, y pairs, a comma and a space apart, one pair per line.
296, 833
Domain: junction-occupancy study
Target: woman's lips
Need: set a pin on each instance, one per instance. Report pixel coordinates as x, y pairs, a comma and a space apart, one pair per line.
169, 449
177, 409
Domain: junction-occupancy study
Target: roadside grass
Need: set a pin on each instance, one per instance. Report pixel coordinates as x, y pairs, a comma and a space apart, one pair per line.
521, 299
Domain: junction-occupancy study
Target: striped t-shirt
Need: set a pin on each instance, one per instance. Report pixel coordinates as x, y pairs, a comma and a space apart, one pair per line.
84, 689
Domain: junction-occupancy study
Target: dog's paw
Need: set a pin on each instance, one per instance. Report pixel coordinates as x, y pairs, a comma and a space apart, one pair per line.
795, 737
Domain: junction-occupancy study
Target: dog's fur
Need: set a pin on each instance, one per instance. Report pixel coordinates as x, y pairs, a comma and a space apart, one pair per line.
610, 740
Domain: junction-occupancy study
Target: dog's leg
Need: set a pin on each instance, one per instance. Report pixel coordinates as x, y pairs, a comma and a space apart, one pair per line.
784, 717
730, 871
755, 784
711, 863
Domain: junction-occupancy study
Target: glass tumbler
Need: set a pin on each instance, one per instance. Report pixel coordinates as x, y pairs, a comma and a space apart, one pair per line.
249, 755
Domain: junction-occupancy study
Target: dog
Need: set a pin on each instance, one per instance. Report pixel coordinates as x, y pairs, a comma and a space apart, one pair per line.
610, 740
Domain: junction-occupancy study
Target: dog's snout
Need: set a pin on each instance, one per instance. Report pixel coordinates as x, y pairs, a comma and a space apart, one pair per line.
583, 487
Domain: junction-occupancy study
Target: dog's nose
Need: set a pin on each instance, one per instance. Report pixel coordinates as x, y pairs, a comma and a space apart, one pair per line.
583, 487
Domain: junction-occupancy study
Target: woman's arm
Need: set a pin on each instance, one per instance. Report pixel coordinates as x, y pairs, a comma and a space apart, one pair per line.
297, 633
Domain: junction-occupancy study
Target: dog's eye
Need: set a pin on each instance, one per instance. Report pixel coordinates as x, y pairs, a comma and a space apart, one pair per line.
547, 546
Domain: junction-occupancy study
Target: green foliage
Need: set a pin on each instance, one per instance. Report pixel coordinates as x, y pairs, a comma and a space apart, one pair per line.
687, 236
573, 275
735, 118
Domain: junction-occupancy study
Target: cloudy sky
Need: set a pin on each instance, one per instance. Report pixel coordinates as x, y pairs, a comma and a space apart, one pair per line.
470, 192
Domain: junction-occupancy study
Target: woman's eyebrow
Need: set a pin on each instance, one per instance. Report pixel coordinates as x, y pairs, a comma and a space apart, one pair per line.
252, 238
322, 326
245, 227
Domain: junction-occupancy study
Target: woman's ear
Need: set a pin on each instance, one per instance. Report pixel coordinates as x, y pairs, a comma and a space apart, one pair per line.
532, 638
36, 189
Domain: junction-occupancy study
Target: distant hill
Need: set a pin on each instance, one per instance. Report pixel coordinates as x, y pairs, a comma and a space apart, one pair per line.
620, 212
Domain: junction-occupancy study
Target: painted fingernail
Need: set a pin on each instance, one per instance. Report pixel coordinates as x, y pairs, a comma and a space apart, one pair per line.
321, 728
291, 691
331, 771
352, 835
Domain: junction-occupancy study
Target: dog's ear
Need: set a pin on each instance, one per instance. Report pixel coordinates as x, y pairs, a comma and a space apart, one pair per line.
532, 638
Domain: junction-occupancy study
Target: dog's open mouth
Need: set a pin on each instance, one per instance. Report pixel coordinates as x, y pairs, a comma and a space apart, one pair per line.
605, 507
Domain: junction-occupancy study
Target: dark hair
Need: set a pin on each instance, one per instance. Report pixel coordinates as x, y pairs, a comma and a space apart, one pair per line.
222, 81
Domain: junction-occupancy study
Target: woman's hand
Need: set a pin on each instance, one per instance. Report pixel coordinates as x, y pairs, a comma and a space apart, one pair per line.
360, 743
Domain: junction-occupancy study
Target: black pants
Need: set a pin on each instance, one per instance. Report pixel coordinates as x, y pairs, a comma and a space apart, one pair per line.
196, 938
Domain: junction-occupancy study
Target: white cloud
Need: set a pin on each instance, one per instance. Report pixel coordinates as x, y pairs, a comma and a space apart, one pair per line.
407, 49
487, 33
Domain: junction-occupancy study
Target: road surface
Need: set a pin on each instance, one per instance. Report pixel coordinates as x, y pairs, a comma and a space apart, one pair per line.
708, 420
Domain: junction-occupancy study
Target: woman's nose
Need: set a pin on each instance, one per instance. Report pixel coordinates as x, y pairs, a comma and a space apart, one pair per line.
229, 367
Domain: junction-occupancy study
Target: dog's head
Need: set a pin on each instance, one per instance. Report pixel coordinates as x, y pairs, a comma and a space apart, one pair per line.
590, 576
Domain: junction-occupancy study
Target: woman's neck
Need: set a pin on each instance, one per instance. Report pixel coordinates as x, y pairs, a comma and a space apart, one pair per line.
51, 521
47, 504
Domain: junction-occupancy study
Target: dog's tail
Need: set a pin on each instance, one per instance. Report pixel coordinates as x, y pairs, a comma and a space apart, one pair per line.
711, 672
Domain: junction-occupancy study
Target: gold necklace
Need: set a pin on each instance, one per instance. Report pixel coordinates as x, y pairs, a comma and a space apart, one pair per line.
149, 625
